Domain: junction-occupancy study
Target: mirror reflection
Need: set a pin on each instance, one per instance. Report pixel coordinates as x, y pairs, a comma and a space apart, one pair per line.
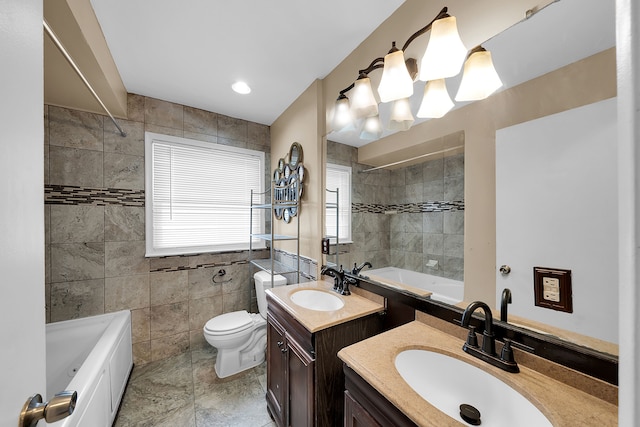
542, 78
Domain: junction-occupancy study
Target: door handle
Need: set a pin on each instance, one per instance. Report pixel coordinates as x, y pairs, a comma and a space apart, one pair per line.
61, 406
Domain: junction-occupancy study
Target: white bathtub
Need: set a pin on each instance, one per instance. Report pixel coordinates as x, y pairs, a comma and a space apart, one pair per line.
442, 289
92, 356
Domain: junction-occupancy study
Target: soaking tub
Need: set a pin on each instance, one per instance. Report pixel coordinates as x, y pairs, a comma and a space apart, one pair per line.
92, 356
442, 289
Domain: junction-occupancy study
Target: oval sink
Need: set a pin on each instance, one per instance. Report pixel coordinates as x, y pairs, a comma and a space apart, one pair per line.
446, 383
317, 300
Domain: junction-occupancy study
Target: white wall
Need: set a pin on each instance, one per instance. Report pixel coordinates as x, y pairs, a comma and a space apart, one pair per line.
556, 206
22, 311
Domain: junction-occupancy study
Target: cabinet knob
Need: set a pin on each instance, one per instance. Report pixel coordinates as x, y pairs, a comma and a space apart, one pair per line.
279, 343
284, 350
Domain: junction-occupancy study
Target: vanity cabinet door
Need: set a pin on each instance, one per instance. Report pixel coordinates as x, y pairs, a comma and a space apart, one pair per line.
355, 415
301, 385
277, 397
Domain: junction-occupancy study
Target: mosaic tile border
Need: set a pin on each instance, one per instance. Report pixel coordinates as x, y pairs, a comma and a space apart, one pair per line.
74, 195
436, 206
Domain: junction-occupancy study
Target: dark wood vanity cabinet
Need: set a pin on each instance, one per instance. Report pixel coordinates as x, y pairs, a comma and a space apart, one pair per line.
305, 382
366, 407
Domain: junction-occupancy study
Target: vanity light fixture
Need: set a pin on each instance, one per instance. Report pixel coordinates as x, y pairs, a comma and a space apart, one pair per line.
436, 101
371, 128
241, 87
443, 58
479, 79
401, 117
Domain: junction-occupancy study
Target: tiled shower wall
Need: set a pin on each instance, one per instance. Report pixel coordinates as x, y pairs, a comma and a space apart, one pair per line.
94, 222
408, 216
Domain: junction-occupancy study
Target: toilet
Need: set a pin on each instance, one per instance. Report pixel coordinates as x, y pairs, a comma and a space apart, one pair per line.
239, 336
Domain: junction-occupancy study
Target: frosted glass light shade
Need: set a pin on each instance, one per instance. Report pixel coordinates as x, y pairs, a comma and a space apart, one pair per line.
372, 128
396, 83
445, 52
480, 78
341, 114
436, 101
401, 117
363, 102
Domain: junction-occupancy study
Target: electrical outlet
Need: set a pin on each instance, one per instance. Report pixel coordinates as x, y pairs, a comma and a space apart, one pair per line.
552, 288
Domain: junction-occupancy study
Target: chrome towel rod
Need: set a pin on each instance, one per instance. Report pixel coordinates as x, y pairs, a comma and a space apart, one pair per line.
69, 59
412, 158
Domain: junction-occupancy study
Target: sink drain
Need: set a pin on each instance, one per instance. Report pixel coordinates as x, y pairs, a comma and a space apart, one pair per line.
470, 414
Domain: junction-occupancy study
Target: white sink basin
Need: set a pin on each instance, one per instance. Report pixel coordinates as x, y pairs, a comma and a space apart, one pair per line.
446, 383
317, 300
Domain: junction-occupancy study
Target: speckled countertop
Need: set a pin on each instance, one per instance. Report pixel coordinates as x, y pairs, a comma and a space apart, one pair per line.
355, 306
373, 359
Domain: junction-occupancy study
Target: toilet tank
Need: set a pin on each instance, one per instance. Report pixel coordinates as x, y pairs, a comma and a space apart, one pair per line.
263, 281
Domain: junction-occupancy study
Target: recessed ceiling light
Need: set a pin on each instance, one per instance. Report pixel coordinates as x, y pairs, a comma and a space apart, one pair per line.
241, 87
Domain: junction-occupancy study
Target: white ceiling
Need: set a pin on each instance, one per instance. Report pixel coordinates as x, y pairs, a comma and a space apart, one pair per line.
191, 51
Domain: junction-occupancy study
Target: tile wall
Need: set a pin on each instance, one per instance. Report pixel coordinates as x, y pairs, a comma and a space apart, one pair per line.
94, 222
428, 223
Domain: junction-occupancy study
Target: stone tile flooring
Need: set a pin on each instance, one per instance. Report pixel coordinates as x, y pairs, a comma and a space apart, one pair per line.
184, 391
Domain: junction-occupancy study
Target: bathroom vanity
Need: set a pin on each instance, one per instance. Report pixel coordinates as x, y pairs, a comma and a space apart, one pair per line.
376, 394
305, 382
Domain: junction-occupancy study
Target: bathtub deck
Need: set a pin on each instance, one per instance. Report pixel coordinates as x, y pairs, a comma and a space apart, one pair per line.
185, 391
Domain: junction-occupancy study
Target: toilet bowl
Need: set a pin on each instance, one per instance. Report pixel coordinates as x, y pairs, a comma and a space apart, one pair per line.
240, 336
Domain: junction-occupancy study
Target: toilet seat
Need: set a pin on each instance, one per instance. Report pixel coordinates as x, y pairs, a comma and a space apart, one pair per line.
229, 323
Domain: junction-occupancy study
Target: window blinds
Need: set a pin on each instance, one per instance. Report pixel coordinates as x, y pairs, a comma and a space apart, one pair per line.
339, 177
200, 196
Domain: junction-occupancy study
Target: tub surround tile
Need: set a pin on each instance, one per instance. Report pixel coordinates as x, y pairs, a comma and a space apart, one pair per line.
76, 261
433, 170
77, 223
75, 129
231, 128
454, 165
124, 223
454, 245
72, 300
64, 167
169, 287
141, 353
200, 121
95, 227
123, 171
126, 293
140, 325
125, 258
163, 113
169, 319
132, 143
454, 222
163, 130
135, 107
454, 188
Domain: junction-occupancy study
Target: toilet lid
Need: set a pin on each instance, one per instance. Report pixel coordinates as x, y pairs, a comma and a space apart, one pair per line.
228, 323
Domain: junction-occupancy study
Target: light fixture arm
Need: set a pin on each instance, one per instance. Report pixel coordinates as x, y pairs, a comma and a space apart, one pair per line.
443, 14
379, 62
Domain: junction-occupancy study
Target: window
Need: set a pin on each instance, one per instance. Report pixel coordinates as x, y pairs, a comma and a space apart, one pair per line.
197, 196
339, 177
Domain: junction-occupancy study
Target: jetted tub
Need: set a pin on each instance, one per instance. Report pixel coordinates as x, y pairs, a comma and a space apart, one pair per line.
442, 289
92, 356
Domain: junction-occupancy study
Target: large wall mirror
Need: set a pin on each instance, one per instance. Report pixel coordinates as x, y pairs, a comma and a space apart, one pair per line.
393, 227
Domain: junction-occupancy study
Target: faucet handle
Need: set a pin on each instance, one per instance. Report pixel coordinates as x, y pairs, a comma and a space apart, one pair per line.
506, 354
472, 338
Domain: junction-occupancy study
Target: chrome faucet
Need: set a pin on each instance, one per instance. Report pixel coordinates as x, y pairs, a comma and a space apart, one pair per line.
338, 278
358, 268
487, 352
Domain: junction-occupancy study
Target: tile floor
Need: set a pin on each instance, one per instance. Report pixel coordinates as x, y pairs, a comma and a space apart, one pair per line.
184, 391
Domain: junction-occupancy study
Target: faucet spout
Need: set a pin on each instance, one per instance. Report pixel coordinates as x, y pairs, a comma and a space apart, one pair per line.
358, 268
338, 277
506, 299
488, 317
